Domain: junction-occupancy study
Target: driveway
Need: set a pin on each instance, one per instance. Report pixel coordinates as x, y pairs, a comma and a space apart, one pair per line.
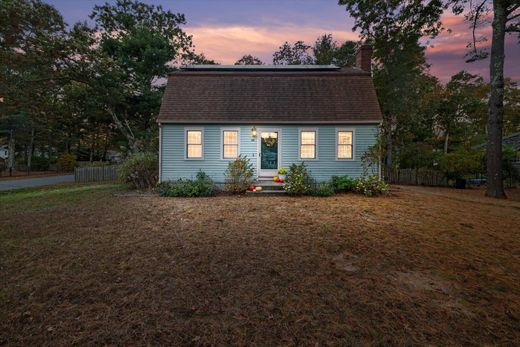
35, 182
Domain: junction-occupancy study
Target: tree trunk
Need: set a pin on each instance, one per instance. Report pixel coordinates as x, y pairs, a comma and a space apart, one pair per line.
31, 150
389, 146
10, 162
446, 141
125, 129
495, 185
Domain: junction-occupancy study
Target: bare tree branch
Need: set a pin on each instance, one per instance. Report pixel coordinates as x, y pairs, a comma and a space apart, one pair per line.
476, 17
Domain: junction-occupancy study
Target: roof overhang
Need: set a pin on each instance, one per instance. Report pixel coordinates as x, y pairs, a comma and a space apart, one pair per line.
252, 122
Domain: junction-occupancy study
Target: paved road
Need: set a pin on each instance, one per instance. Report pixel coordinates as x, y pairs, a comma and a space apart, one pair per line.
35, 182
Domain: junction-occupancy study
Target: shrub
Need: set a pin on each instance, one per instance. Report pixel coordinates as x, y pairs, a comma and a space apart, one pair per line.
40, 163
323, 189
371, 186
99, 163
461, 163
66, 162
140, 171
201, 186
299, 181
343, 184
239, 175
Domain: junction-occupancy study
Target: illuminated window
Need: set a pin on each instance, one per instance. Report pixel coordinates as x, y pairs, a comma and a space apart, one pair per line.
230, 144
307, 144
344, 144
194, 144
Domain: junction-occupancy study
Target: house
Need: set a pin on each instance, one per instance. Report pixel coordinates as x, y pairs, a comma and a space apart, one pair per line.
4, 152
324, 116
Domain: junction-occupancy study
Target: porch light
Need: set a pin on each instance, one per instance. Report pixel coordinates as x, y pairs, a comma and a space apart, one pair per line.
253, 131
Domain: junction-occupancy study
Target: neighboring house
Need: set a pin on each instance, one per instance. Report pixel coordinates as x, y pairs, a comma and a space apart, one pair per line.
4, 152
324, 116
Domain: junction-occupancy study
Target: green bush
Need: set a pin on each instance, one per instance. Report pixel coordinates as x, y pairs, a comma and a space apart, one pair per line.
239, 175
343, 184
66, 162
140, 171
282, 171
461, 163
323, 189
371, 186
299, 181
201, 186
40, 163
99, 163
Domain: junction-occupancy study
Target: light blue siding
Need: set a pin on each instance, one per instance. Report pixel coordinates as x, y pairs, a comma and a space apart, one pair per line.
174, 165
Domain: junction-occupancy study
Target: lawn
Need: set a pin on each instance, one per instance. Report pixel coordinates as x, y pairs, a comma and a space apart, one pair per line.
96, 265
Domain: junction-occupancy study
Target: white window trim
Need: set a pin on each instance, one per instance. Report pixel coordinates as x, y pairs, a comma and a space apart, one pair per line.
353, 144
258, 148
300, 144
222, 142
186, 142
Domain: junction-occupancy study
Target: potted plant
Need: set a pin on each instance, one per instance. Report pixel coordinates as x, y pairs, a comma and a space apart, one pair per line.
282, 173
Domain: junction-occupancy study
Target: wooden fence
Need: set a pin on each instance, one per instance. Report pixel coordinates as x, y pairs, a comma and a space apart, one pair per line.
422, 177
95, 174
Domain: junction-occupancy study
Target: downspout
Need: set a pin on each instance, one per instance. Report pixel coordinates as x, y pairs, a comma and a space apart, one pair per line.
160, 151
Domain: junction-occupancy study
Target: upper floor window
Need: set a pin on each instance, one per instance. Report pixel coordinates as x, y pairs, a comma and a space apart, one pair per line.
308, 144
230, 146
194, 144
345, 144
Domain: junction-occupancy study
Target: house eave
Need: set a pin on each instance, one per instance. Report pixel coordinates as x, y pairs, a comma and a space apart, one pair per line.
253, 122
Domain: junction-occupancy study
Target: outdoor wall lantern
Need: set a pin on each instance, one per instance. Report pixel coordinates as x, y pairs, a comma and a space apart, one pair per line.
253, 132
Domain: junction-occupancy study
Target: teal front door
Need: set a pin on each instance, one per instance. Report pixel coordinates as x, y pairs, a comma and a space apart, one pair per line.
269, 152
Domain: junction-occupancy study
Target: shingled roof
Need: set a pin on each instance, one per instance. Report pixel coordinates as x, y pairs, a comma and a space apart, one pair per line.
269, 94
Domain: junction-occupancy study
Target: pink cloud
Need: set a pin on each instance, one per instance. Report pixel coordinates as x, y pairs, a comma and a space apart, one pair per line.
227, 44
446, 53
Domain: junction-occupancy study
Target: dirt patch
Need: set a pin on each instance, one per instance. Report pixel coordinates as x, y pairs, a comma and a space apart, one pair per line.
421, 282
414, 268
346, 261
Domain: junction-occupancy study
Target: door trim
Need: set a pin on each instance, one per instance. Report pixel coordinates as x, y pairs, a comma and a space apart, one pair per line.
258, 147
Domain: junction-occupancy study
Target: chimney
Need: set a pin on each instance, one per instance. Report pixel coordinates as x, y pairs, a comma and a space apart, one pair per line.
364, 58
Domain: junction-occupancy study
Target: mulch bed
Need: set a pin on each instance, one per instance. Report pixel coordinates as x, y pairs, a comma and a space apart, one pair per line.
409, 269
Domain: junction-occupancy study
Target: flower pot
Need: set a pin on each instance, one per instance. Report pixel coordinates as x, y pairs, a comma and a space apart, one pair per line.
282, 177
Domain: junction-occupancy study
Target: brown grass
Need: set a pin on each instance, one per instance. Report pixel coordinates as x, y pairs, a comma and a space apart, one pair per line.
420, 267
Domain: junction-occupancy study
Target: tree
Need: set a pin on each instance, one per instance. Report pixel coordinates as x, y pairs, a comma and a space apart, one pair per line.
138, 43
248, 59
506, 19
511, 107
345, 55
32, 58
394, 28
458, 107
293, 55
326, 51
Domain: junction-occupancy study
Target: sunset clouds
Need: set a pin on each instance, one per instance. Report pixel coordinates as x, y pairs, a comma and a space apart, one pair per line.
227, 44
225, 30
446, 54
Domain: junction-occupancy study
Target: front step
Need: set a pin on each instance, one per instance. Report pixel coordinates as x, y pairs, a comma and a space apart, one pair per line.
269, 185
266, 191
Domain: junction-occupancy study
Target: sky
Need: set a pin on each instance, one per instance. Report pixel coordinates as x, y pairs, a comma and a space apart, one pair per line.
225, 30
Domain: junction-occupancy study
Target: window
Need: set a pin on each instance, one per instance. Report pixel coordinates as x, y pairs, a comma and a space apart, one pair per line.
230, 144
193, 144
307, 144
344, 144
